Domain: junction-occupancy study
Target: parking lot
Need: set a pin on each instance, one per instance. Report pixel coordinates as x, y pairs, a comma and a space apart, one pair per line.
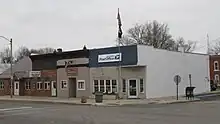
32, 113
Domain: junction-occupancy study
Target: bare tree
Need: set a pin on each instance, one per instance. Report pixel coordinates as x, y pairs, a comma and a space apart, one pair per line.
188, 46
5, 56
151, 33
215, 49
22, 52
157, 35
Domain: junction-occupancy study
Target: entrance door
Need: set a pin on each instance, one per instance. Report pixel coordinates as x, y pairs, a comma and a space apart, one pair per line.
72, 87
53, 88
132, 88
16, 88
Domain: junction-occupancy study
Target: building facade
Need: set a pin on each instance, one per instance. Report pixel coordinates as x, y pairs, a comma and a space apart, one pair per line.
146, 72
20, 73
214, 71
135, 71
73, 77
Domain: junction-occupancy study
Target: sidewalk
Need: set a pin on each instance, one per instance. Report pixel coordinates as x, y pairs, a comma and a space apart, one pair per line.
77, 101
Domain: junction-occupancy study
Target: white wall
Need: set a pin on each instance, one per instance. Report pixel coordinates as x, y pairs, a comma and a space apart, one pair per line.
162, 65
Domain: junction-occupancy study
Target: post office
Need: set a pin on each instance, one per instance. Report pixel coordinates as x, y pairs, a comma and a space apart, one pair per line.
146, 72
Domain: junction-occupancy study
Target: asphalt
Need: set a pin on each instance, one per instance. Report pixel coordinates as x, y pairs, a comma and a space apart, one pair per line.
186, 113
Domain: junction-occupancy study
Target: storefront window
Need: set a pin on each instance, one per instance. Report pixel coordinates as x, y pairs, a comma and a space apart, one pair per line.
141, 85
123, 85
114, 86
108, 86
96, 85
102, 86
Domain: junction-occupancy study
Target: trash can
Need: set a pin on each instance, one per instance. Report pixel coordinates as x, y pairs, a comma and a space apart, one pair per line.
98, 97
189, 92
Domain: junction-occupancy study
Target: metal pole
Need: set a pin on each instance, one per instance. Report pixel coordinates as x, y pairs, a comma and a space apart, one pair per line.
177, 90
119, 67
11, 68
190, 80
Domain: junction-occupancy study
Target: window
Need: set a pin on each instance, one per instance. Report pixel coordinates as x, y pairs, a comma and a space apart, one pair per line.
216, 66
96, 85
114, 86
28, 85
123, 85
1, 85
63, 84
81, 84
141, 85
39, 85
216, 78
47, 85
105, 86
108, 86
102, 86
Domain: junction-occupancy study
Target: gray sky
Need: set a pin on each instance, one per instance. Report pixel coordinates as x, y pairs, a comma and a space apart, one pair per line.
72, 23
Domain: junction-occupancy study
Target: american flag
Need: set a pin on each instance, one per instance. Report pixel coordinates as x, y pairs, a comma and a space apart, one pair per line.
119, 25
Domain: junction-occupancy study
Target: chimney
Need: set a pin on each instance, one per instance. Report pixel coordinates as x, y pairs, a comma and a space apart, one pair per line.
59, 50
84, 47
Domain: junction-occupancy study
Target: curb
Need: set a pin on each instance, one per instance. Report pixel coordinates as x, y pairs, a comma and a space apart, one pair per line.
178, 102
96, 104
55, 102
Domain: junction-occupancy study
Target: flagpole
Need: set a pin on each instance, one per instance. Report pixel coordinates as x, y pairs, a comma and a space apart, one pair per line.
119, 51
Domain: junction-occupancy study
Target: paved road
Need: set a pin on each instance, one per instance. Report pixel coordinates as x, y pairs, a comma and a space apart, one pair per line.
30, 113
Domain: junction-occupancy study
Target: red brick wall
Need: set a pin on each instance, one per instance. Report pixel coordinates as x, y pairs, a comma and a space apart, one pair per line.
46, 75
6, 90
211, 66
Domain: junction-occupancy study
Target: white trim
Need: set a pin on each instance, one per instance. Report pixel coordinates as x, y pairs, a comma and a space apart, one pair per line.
129, 96
39, 82
2, 85
65, 88
116, 85
53, 90
27, 85
103, 85
140, 85
48, 85
84, 85
215, 66
216, 78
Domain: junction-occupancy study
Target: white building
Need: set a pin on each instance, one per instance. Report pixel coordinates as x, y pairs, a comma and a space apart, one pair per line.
147, 72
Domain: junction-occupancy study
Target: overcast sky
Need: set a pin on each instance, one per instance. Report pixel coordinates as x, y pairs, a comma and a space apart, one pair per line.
70, 24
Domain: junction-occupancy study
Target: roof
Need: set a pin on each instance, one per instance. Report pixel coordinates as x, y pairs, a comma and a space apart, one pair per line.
75, 53
22, 67
3, 67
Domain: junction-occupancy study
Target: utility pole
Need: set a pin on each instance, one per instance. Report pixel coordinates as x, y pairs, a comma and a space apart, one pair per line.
11, 68
11, 56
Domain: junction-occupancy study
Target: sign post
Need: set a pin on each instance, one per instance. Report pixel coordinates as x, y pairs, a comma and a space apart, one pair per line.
177, 80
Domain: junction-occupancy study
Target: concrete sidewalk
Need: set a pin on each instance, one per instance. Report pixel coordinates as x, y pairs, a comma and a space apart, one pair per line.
77, 101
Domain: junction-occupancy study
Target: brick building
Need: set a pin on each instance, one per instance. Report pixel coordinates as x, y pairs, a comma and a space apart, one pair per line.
20, 74
214, 70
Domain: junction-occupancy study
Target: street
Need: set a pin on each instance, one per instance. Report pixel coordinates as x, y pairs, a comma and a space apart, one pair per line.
36, 113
